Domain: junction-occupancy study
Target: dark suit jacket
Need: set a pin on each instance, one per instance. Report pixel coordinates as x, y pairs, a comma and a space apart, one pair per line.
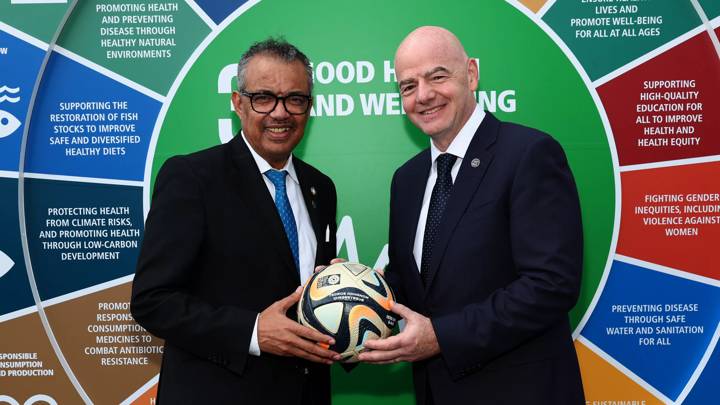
214, 255
505, 271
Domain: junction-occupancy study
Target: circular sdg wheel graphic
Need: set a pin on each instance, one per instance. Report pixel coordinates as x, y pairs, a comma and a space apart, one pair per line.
358, 134
90, 110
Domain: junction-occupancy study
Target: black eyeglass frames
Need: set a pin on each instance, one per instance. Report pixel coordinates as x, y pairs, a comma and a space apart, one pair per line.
265, 103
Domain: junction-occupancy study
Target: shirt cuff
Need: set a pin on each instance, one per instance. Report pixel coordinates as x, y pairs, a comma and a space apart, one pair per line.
254, 346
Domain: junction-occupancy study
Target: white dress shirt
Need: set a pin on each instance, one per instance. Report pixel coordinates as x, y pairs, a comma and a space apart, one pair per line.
457, 147
307, 243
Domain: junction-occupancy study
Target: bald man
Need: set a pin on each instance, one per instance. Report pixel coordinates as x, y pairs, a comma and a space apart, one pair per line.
485, 244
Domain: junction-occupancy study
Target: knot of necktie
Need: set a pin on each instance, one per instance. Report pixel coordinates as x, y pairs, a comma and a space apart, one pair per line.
277, 178
445, 163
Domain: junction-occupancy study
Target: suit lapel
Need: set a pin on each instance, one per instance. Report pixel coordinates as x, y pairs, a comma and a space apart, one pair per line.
256, 194
464, 189
310, 192
415, 186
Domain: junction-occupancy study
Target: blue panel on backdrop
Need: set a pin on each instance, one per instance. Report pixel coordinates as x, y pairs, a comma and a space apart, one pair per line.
14, 288
88, 125
81, 234
19, 64
218, 10
655, 324
705, 390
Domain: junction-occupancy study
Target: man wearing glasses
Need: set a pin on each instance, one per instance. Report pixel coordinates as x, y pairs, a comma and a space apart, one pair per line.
232, 232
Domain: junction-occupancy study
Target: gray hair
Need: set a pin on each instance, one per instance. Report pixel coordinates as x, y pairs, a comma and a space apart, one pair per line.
278, 48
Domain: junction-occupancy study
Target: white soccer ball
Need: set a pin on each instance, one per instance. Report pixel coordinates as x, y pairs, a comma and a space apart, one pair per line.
350, 302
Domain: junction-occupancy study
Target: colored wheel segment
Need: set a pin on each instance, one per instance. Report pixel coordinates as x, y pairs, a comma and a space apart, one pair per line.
607, 35
36, 369
86, 124
15, 291
82, 234
102, 343
656, 325
671, 221
602, 381
144, 41
39, 21
664, 108
19, 65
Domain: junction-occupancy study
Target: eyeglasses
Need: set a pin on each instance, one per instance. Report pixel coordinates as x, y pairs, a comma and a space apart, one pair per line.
265, 103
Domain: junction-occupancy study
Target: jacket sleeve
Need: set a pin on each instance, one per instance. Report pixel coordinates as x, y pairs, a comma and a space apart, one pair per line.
546, 243
168, 262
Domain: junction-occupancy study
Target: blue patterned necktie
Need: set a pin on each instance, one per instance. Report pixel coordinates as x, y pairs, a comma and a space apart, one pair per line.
286, 215
438, 201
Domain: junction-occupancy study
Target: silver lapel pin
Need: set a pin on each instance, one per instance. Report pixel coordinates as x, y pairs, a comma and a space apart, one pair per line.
475, 163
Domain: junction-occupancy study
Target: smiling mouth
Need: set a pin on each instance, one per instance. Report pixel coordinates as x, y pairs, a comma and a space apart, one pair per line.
279, 130
433, 110
278, 134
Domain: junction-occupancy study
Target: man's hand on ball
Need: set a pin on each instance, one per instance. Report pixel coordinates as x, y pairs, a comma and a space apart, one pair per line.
416, 342
280, 335
333, 261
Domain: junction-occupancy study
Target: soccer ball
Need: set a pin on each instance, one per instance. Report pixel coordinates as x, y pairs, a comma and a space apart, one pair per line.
350, 302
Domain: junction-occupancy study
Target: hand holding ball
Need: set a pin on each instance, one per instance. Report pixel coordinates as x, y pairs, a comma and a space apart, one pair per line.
350, 302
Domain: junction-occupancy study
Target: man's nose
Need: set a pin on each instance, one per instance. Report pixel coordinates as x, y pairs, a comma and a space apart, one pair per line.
425, 92
279, 112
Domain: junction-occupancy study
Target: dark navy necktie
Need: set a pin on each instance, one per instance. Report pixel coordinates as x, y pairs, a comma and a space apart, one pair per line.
286, 215
438, 201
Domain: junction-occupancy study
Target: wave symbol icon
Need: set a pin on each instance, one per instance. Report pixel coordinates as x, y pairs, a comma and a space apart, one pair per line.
6, 263
8, 123
10, 90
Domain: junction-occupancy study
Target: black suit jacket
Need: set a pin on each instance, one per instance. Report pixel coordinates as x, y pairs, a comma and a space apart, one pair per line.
214, 255
505, 271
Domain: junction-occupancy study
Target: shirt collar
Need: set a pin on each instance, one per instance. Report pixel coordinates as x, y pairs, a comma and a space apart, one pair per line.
264, 166
460, 144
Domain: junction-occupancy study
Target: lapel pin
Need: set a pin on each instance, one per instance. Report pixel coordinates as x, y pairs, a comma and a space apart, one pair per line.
475, 163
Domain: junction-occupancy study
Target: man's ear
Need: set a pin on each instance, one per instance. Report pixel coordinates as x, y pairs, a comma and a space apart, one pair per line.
237, 103
473, 73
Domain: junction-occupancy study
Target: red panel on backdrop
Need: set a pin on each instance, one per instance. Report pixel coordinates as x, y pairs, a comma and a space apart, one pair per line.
671, 216
666, 108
